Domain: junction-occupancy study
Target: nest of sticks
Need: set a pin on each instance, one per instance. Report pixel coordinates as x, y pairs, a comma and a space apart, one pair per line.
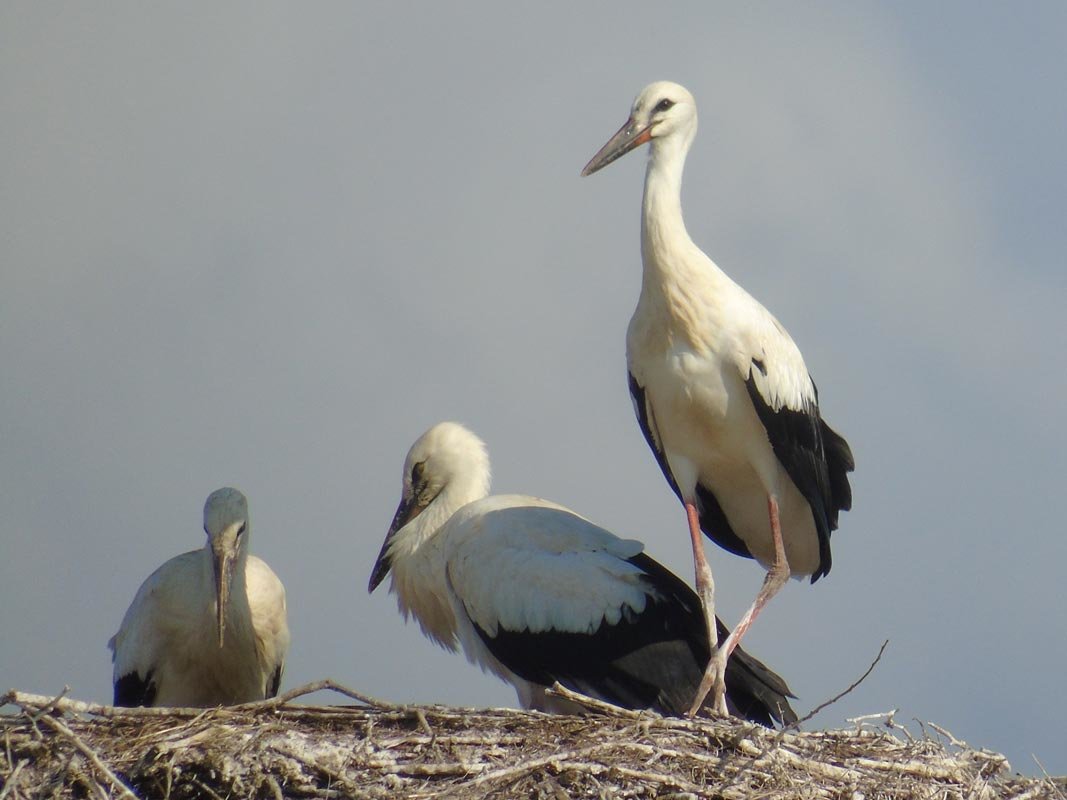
56, 747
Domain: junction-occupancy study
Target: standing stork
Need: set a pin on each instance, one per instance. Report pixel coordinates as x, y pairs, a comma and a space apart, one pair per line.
536, 594
208, 627
721, 391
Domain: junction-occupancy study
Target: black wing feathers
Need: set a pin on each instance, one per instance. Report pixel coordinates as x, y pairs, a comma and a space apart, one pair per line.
712, 518
275, 682
132, 690
840, 461
817, 465
753, 690
654, 659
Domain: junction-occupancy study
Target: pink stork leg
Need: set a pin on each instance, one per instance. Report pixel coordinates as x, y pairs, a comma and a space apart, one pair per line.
777, 575
714, 677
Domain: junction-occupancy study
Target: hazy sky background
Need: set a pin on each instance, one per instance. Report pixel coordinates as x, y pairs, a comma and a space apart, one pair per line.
268, 245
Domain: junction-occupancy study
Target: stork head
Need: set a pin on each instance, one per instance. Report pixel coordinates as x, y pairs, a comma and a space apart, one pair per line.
663, 112
446, 457
226, 526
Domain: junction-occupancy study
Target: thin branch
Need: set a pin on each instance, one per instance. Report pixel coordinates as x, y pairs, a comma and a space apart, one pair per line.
42, 703
559, 690
206, 789
1049, 778
594, 768
885, 716
424, 724
715, 728
12, 779
51, 704
948, 735
275, 789
525, 766
656, 777
33, 703
316, 686
1033, 793
92, 786
7, 747
796, 725
332, 775
89, 753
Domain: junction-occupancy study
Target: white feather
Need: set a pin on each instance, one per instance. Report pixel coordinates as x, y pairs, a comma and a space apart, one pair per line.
168, 634
506, 561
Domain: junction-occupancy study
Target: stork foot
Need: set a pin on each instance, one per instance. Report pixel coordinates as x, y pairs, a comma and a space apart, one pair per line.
713, 683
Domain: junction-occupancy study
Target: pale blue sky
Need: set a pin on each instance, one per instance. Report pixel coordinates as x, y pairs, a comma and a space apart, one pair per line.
268, 245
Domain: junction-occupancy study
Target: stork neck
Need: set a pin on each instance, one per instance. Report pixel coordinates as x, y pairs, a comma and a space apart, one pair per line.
419, 580
240, 571
663, 233
457, 493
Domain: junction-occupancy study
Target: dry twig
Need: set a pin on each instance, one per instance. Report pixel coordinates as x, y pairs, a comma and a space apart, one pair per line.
88, 752
796, 725
383, 751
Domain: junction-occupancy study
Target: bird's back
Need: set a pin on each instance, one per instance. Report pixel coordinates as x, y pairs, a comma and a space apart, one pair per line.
544, 595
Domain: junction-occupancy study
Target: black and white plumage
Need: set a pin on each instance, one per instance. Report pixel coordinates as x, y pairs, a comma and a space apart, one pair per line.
209, 626
720, 390
536, 594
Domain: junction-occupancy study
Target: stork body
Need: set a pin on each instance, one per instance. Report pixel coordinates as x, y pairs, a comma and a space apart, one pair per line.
535, 594
209, 626
721, 391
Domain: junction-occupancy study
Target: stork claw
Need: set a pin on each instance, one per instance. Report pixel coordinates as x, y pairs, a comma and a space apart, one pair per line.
713, 682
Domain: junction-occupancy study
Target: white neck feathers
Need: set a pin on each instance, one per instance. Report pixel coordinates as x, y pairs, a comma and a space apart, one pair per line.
419, 569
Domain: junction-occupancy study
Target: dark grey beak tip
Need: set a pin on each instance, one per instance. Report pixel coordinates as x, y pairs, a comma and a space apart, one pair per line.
376, 578
625, 139
407, 509
381, 567
603, 157
382, 564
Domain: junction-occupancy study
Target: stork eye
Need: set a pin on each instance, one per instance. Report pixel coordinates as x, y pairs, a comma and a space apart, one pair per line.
663, 105
416, 473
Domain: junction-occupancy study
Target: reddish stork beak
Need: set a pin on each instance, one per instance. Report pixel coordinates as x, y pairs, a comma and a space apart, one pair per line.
626, 139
